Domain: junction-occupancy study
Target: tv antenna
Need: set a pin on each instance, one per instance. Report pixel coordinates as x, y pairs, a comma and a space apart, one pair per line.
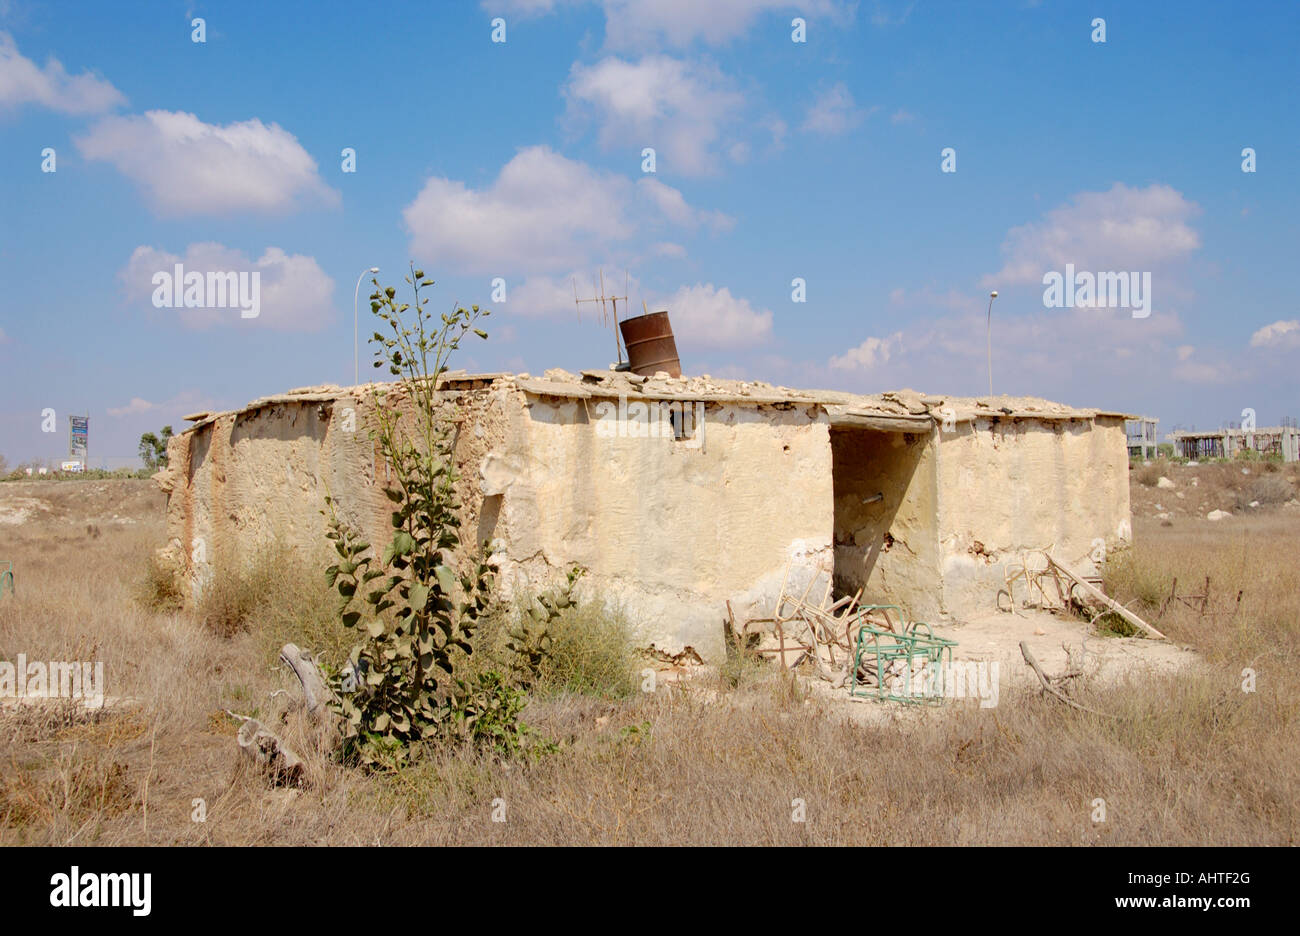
606, 311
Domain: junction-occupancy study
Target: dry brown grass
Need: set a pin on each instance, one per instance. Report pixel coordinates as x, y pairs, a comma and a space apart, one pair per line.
1191, 759
1147, 475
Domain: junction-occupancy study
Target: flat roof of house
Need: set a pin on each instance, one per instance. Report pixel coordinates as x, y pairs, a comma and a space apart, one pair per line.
897, 410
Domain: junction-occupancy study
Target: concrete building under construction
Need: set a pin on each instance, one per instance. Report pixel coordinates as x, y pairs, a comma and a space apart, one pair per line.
1270, 441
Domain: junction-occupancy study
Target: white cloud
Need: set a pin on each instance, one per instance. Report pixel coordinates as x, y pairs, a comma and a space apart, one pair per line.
544, 212
296, 294
638, 23
668, 249
553, 296
891, 14
136, 406
188, 167
672, 205
520, 8
1282, 333
867, 355
632, 24
901, 116
834, 112
22, 82
680, 108
544, 296
1190, 370
1121, 229
705, 317
135, 413
778, 128
1038, 353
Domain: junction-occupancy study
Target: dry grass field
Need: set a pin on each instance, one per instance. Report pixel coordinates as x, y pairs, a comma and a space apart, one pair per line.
1187, 758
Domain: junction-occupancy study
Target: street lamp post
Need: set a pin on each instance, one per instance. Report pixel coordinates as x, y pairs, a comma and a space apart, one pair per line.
356, 372
988, 334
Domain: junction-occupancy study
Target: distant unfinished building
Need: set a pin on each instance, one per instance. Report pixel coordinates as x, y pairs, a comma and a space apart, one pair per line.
679, 495
1276, 441
1142, 441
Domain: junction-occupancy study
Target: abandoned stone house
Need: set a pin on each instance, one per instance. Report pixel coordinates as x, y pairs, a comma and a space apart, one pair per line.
680, 494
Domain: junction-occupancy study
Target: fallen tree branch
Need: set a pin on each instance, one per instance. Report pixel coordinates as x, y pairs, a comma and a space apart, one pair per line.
266, 749
1048, 687
316, 692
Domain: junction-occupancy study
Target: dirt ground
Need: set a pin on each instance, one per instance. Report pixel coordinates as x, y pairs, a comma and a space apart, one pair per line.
67, 504
1193, 491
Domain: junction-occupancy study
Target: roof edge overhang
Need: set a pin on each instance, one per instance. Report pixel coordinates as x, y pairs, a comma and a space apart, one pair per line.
844, 418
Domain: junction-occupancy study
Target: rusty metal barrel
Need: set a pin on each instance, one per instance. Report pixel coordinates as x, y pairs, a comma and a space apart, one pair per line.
650, 344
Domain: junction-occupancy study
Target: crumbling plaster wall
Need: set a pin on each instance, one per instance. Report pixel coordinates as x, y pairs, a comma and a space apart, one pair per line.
245, 480
242, 482
669, 530
1006, 486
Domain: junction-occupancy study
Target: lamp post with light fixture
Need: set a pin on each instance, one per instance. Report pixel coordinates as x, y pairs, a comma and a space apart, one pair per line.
988, 334
356, 372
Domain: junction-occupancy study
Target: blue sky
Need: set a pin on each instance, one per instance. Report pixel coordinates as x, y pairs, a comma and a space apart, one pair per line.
774, 160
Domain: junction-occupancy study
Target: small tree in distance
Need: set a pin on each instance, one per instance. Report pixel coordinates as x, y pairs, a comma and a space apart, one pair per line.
153, 448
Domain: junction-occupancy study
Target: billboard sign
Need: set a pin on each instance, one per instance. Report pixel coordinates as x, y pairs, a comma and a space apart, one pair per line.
78, 436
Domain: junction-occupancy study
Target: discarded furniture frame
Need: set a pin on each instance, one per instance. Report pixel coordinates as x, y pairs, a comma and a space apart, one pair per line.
6, 576
812, 631
1034, 569
1068, 587
1201, 603
822, 631
869, 648
1101, 598
904, 665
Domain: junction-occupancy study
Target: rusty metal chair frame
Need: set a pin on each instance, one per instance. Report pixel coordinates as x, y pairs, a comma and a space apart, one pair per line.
1203, 604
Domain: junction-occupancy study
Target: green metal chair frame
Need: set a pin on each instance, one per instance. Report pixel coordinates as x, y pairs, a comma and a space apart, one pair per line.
6, 575
913, 644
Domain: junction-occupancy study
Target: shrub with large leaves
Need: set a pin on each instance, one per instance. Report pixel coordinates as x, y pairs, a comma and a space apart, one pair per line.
417, 600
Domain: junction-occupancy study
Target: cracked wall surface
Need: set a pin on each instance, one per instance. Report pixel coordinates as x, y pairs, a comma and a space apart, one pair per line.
1011, 485
671, 529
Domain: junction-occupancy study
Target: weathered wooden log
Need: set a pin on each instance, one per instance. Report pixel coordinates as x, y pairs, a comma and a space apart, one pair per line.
266, 749
316, 692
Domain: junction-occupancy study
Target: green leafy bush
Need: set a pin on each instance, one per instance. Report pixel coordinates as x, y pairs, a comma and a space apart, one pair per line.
414, 606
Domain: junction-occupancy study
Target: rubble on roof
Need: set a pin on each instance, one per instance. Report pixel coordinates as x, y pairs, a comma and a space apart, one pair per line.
895, 410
